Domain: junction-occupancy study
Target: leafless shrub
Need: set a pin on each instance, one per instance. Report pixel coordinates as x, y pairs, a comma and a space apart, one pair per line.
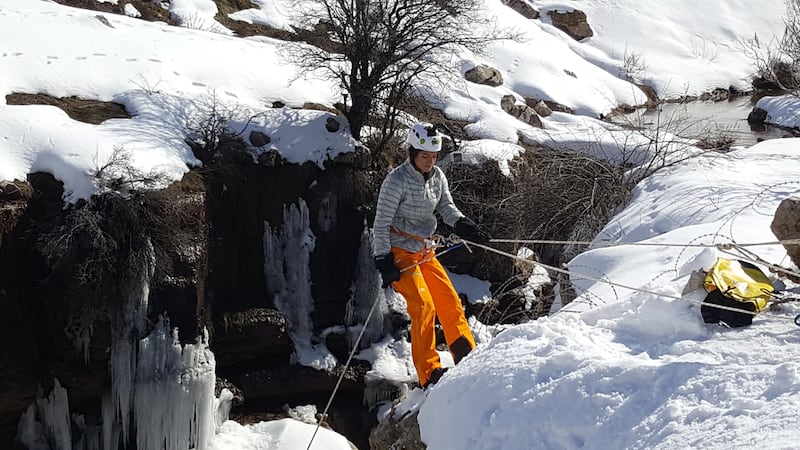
634, 65
207, 126
778, 60
720, 142
118, 173
98, 248
146, 85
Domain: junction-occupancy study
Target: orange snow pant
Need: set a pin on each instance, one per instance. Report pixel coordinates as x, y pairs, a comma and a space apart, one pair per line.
429, 293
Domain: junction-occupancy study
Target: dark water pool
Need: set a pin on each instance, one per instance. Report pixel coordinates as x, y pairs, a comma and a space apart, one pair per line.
705, 119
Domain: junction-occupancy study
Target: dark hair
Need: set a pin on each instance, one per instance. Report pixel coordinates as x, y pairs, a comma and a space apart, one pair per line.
413, 152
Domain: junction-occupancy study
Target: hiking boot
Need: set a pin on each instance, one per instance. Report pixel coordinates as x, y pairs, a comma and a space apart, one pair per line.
460, 348
436, 375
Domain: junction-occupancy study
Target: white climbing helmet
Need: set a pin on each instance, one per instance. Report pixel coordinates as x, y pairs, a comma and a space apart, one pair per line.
424, 136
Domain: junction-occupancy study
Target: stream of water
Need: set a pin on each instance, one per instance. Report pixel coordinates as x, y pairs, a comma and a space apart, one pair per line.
706, 118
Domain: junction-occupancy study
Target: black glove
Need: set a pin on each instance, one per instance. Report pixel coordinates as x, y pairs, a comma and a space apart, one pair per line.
466, 228
389, 271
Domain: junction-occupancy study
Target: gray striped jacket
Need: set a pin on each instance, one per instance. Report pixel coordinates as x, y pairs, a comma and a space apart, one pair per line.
407, 201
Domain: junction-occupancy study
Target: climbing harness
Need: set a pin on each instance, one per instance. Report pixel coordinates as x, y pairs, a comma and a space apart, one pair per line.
432, 243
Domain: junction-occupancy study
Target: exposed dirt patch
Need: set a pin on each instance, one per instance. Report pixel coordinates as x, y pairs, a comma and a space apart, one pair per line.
89, 111
151, 11
244, 29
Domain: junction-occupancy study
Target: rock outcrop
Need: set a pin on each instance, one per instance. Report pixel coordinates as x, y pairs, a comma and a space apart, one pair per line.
786, 226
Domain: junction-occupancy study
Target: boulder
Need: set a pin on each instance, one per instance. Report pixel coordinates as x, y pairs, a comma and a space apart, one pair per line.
573, 23
332, 125
259, 139
551, 105
542, 109
757, 117
523, 8
786, 225
484, 74
523, 113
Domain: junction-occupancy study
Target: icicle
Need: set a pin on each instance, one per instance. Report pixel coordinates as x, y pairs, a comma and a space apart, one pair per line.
222, 407
128, 325
159, 411
54, 412
109, 431
122, 366
366, 291
286, 268
89, 437
199, 379
326, 217
174, 396
30, 432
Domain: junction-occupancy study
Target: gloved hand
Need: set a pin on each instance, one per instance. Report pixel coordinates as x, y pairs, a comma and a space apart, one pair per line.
389, 271
467, 229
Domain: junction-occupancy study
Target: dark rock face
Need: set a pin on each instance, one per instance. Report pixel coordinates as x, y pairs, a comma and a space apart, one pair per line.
242, 196
27, 312
253, 337
215, 280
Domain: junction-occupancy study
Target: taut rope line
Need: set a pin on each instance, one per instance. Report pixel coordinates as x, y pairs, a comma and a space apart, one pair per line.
647, 244
589, 277
723, 247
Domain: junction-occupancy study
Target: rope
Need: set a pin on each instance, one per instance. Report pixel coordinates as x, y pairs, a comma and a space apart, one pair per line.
749, 256
722, 247
438, 242
647, 244
589, 277
324, 414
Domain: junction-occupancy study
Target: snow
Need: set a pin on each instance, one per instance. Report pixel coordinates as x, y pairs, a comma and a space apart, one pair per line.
629, 365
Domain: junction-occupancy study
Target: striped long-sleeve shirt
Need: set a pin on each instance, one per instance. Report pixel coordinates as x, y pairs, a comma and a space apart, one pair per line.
407, 201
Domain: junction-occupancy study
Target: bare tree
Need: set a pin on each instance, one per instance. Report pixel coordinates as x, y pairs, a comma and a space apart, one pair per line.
377, 49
